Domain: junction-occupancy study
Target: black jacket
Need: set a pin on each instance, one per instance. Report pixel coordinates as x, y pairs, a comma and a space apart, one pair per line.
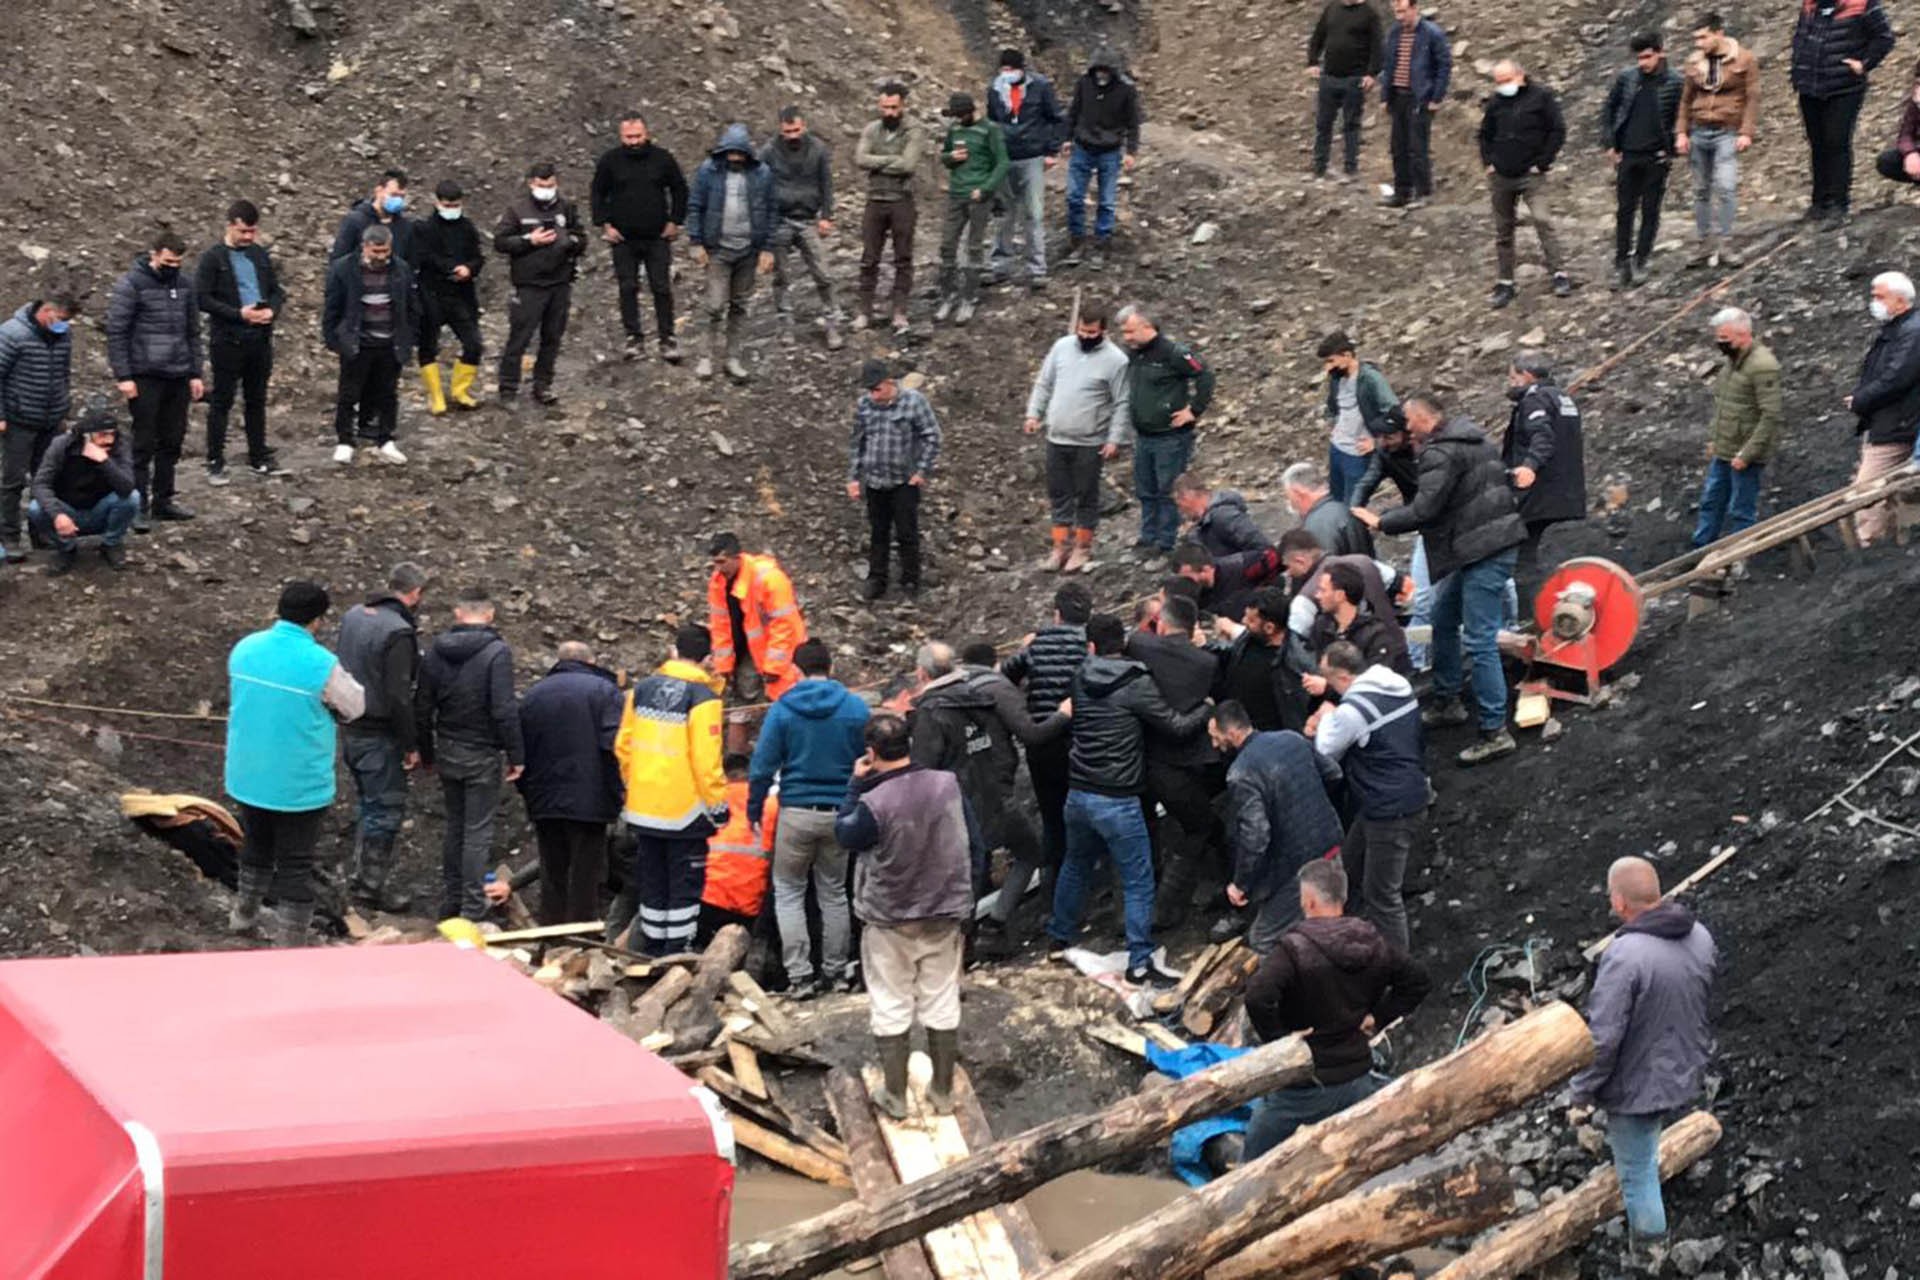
1289, 695
1827, 34
1543, 432
957, 728
638, 192
36, 372
1184, 673
1035, 130
153, 326
1236, 577
802, 177
1225, 527
1886, 399
1329, 975
1103, 117
346, 241
569, 718
1047, 667
1402, 466
1279, 816
65, 474
1523, 132
1011, 706
540, 266
1349, 40
1464, 510
218, 293
441, 244
1337, 529
465, 694
1665, 82
379, 645
1115, 704
342, 315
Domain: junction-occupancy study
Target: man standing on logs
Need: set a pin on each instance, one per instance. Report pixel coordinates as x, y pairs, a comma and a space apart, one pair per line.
1337, 979
1651, 1040
913, 890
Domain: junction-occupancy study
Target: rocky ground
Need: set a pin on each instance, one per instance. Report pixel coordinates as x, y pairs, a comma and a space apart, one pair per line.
588, 521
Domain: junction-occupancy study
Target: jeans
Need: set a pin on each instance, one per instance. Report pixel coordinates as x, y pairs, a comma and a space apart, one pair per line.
1339, 96
110, 517
448, 311
380, 778
159, 431
1024, 214
1375, 853
573, 866
1829, 123
1635, 1141
1344, 472
1158, 461
801, 236
1729, 501
803, 848
534, 310
1466, 616
1278, 1114
1082, 165
1411, 145
884, 219
21, 449
242, 361
1508, 193
1639, 185
1073, 485
893, 515
470, 782
1716, 180
281, 844
368, 399
1118, 824
730, 283
1421, 655
969, 220
656, 255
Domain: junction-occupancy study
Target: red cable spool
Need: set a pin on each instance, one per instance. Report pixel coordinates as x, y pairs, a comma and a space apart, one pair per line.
1588, 612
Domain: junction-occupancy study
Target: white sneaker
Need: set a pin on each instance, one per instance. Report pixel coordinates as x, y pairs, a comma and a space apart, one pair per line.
343, 454
390, 452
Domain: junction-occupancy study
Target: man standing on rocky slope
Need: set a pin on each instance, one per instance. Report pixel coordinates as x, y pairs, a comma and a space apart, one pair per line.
890, 152
1081, 397
975, 154
1637, 125
449, 268
1545, 454
730, 220
36, 375
1358, 397
1836, 46
1027, 110
1651, 1040
1168, 387
803, 199
1416, 70
1886, 400
1103, 139
896, 440
153, 347
386, 207
1343, 58
639, 200
543, 238
1520, 137
1719, 110
1745, 430
369, 321
235, 284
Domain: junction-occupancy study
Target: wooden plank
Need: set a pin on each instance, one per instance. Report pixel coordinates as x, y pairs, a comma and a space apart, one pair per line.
746, 1068
871, 1167
650, 1010
545, 931
952, 1248
760, 1003
1162, 1036
990, 1243
1125, 1039
1168, 1001
1706, 869
772, 1113
802, 1160
1022, 1232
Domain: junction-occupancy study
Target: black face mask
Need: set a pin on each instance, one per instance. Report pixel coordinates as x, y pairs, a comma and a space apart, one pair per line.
736, 163
1728, 350
1091, 344
890, 123
634, 148
794, 144
1514, 393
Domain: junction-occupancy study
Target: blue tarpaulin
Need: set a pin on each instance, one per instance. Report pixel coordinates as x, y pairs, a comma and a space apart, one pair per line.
1188, 1140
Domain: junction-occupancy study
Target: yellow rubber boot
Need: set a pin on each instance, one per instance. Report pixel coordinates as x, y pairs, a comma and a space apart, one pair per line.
460, 395
430, 379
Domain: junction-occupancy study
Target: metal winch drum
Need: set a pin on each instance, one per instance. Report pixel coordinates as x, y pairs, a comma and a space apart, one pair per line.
1587, 614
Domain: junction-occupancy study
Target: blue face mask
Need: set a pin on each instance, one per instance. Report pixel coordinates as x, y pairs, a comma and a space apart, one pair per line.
59, 326
394, 204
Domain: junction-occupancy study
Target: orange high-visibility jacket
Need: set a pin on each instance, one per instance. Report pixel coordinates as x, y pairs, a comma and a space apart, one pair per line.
772, 619
739, 868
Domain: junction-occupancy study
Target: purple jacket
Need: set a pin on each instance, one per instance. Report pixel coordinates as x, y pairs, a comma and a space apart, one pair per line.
916, 837
1648, 1015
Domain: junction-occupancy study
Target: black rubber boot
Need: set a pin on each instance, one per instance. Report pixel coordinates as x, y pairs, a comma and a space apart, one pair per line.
250, 893
892, 1097
370, 879
944, 1048
291, 924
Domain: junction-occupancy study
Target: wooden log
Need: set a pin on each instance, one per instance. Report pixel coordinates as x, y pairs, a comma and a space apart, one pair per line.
1022, 1232
799, 1127
1322, 1162
746, 1068
802, 1160
697, 1020
1168, 1001
870, 1166
1014, 1166
650, 1010
1458, 1200
1219, 989
760, 1003
1552, 1229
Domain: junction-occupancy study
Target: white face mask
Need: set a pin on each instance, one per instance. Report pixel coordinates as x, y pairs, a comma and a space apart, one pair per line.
1880, 311
1507, 90
451, 215
545, 194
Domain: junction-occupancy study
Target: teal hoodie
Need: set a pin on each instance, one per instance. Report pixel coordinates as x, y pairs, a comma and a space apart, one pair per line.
810, 740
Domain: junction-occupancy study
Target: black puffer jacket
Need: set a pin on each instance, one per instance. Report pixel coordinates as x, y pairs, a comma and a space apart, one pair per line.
1047, 667
956, 728
1465, 509
1115, 705
1886, 400
1329, 975
465, 694
36, 372
1829, 33
153, 325
1225, 527
1543, 433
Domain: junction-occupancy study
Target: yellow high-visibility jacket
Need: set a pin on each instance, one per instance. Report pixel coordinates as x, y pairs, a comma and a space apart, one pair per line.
669, 748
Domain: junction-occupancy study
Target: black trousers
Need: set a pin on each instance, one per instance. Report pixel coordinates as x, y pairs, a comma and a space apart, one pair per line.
368, 400
656, 255
535, 310
573, 866
1829, 123
1412, 156
159, 431
1342, 98
1639, 185
893, 515
1526, 569
242, 361
1047, 765
442, 311
669, 874
21, 449
282, 844
1073, 485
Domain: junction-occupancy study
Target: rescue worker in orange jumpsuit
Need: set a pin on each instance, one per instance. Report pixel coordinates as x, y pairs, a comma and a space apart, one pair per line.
756, 626
739, 863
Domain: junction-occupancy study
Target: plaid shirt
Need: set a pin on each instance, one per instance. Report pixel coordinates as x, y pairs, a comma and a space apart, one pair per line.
894, 442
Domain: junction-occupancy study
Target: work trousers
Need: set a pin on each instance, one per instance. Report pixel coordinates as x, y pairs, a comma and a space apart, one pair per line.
1467, 606
470, 783
1635, 1143
21, 449
1338, 97
242, 362
1375, 854
1115, 826
1085, 168
380, 779
1014, 831
1873, 524
1159, 460
656, 255
967, 219
800, 237
1526, 566
446, 311
573, 866
1279, 1114
110, 517
1639, 185
1729, 501
1023, 216
1508, 193
1829, 124
1073, 485
912, 972
1187, 793
730, 281
159, 432
880, 221
1048, 769
893, 515
1715, 164
281, 844
669, 874
368, 400
804, 849
1412, 133
534, 310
